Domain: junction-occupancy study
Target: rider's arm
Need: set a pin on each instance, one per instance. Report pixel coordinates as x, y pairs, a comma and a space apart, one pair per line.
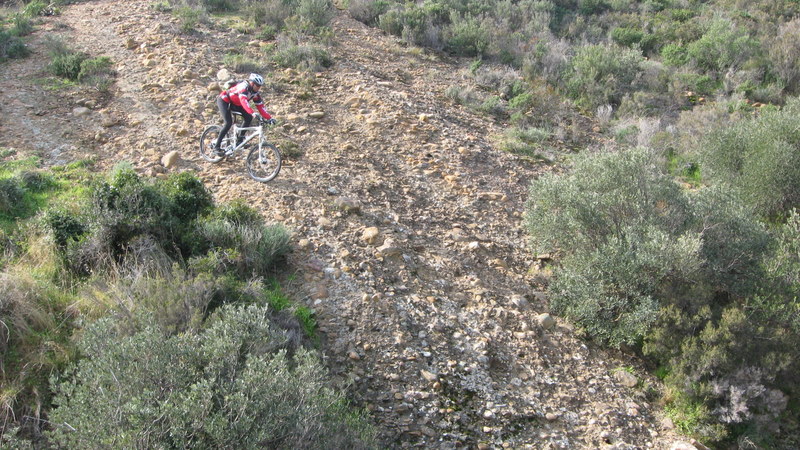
263, 112
260, 105
243, 101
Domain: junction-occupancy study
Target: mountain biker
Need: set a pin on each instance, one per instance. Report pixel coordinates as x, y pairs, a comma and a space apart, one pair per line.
236, 98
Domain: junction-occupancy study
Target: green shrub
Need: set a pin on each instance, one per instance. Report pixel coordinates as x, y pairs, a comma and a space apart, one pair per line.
723, 45
64, 227
11, 46
67, 65
633, 37
34, 342
318, 12
10, 195
368, 11
525, 140
22, 25
271, 12
249, 249
674, 55
188, 196
188, 17
307, 57
466, 36
240, 63
681, 275
232, 385
783, 53
219, 5
615, 215
600, 74
759, 158
40, 8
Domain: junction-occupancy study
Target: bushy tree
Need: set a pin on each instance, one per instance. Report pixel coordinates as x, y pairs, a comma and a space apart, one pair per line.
760, 158
624, 228
723, 46
235, 384
601, 74
689, 277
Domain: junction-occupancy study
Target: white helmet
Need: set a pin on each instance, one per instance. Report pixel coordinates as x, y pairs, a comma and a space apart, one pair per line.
257, 79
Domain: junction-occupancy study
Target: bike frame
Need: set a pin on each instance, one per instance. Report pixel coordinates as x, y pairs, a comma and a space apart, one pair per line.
257, 131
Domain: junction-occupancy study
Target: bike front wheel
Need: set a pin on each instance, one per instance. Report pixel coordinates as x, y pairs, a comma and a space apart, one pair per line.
264, 163
207, 141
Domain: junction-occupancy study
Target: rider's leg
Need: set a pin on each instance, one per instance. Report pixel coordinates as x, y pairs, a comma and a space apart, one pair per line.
225, 111
247, 119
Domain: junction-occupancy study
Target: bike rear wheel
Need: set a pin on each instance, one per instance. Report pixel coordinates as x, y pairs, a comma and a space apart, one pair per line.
207, 141
264, 163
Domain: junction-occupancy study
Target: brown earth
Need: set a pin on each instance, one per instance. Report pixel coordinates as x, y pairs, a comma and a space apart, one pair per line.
407, 224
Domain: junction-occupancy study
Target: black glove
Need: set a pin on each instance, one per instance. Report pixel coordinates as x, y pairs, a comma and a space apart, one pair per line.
271, 121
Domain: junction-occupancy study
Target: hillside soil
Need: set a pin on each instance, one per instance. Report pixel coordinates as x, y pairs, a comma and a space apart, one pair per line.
407, 223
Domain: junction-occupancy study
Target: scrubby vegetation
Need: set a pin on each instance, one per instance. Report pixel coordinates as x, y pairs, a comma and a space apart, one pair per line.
115, 285
701, 281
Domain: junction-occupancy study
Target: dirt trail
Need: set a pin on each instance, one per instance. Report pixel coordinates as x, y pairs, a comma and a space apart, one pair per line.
407, 224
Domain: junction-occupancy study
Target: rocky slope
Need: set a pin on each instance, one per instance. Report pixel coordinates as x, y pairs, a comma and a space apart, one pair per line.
407, 224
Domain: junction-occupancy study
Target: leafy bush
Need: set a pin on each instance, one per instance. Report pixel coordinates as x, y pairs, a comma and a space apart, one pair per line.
249, 247
466, 36
34, 341
622, 215
680, 275
128, 215
271, 12
234, 384
723, 46
600, 74
309, 57
759, 158
11, 46
10, 195
219, 5
783, 53
633, 37
240, 63
368, 11
419, 24
40, 8
188, 17
318, 12
674, 55
78, 66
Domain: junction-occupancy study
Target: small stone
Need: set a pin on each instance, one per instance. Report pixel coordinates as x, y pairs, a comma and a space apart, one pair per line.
354, 356
81, 111
320, 292
223, 75
171, 159
551, 416
388, 250
430, 376
545, 321
317, 114
348, 205
519, 301
371, 235
626, 378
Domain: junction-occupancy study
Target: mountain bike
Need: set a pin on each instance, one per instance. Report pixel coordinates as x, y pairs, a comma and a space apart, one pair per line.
263, 161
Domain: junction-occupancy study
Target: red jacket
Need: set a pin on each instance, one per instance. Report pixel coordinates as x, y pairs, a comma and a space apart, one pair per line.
240, 95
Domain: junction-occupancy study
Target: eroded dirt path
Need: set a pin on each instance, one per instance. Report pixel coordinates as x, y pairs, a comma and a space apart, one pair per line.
407, 224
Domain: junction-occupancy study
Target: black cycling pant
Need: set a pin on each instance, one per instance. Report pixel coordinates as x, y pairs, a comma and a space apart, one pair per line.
225, 109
